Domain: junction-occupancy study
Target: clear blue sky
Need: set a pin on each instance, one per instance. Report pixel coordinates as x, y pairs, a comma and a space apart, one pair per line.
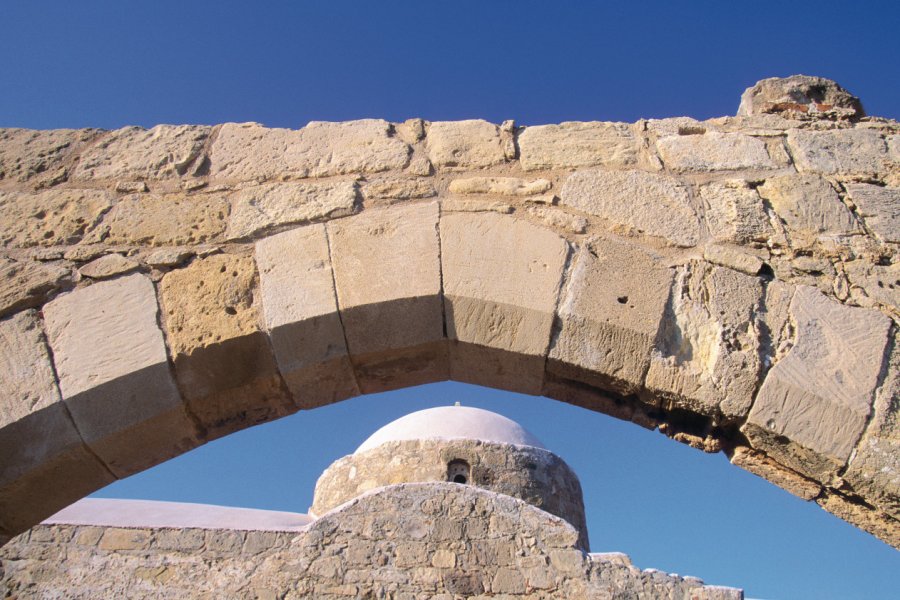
111, 63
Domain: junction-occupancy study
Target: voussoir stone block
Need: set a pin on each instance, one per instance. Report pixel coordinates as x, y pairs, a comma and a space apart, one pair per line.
114, 374
880, 209
164, 220
609, 315
137, 153
387, 272
815, 401
51, 217
259, 208
38, 440
249, 151
470, 144
573, 144
223, 361
501, 283
300, 309
707, 356
846, 152
714, 151
809, 207
656, 205
874, 471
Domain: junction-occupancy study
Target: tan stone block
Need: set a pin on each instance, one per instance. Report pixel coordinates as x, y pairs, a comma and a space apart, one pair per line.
735, 213
470, 144
508, 581
387, 273
27, 284
874, 471
819, 395
762, 466
164, 220
114, 374
137, 153
733, 259
558, 219
299, 304
116, 538
809, 207
27, 154
396, 188
223, 361
259, 208
45, 465
501, 283
108, 266
503, 186
575, 144
656, 205
846, 152
610, 313
248, 151
880, 209
874, 284
443, 559
713, 151
800, 94
50, 218
706, 356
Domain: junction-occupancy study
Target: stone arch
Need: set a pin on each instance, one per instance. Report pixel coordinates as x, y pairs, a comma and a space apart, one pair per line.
431, 251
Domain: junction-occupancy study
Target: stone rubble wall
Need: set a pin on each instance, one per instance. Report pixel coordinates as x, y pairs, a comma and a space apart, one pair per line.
732, 282
405, 542
533, 475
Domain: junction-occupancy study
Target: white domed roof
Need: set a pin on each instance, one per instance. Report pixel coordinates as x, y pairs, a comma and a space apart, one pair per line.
452, 422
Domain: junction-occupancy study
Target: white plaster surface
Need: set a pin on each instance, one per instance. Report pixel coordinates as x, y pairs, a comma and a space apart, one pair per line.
107, 512
452, 422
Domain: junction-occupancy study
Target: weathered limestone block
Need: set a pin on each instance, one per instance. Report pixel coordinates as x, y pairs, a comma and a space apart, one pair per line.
26, 154
733, 258
299, 305
27, 284
137, 153
164, 220
223, 361
656, 205
259, 208
248, 151
557, 219
735, 213
51, 217
38, 439
819, 395
799, 95
762, 466
572, 145
397, 188
880, 209
610, 314
502, 186
387, 272
874, 471
707, 353
501, 282
466, 144
114, 374
108, 266
844, 152
872, 285
809, 207
714, 151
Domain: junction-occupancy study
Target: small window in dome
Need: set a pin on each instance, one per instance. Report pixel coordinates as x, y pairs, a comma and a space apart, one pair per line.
458, 471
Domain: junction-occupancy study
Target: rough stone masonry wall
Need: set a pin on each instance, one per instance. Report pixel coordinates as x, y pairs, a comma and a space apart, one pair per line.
733, 282
406, 542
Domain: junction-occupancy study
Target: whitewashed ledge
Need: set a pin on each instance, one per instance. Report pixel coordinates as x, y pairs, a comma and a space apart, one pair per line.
151, 514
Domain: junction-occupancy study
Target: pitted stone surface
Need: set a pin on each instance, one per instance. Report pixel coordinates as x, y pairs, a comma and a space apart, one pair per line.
164, 220
51, 217
249, 151
136, 153
27, 155
468, 144
713, 151
820, 394
657, 205
114, 374
256, 209
570, 145
27, 284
